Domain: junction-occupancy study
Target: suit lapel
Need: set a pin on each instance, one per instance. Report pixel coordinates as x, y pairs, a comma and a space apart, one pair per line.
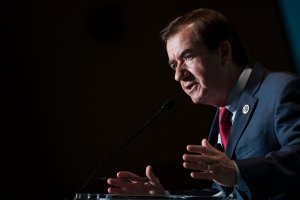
244, 112
242, 118
246, 107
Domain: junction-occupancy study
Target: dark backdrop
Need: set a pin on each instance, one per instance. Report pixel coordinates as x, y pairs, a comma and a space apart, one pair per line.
80, 77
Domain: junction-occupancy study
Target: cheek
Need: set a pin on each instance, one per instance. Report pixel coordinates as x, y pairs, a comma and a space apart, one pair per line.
200, 76
181, 84
197, 69
205, 75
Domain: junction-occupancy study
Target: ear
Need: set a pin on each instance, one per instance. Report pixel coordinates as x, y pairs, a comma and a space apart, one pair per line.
225, 52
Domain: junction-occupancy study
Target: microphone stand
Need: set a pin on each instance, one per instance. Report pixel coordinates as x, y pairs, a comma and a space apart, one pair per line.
167, 105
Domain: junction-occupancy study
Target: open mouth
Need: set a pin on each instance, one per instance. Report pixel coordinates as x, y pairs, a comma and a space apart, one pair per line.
190, 87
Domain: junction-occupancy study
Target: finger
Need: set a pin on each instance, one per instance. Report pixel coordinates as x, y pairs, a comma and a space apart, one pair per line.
150, 174
113, 190
206, 149
199, 159
195, 166
203, 175
192, 158
199, 149
205, 143
126, 174
118, 182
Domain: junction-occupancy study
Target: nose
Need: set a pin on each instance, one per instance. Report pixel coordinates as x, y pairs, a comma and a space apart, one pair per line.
180, 72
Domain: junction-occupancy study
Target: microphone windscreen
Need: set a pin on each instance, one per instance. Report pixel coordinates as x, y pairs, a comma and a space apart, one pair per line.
167, 105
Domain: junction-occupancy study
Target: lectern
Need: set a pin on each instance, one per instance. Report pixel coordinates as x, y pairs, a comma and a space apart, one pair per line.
88, 196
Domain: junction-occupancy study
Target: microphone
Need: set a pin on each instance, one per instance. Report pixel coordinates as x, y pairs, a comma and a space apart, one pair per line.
166, 106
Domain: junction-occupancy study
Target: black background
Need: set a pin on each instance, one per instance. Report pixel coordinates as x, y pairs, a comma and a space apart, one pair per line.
80, 77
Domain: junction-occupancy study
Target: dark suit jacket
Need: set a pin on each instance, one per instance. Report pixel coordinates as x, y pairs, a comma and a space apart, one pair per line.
265, 142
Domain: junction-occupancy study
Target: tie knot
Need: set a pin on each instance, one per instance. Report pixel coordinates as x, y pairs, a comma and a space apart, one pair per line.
225, 115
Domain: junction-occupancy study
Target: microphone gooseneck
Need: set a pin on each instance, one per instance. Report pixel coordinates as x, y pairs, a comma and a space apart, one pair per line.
166, 106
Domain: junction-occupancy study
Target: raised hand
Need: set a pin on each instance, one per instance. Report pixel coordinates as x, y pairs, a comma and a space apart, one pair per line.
209, 163
128, 183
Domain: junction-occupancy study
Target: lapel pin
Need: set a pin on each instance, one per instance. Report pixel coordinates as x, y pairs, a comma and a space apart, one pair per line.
246, 109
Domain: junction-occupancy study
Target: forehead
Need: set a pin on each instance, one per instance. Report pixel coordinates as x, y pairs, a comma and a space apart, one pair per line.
182, 38
180, 41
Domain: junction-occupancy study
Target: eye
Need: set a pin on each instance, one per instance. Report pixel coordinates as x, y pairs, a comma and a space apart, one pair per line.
173, 66
188, 57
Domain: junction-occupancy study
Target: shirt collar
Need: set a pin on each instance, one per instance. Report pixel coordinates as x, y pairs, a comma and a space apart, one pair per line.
237, 90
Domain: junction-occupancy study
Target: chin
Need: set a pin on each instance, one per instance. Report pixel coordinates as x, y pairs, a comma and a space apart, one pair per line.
197, 100
201, 100
197, 96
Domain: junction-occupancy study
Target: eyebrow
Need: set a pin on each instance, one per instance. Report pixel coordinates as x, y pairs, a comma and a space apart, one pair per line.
182, 55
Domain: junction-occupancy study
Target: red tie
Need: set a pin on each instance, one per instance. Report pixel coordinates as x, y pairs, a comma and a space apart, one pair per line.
224, 125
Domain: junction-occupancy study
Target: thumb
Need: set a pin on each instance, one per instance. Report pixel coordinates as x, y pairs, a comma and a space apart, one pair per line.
157, 188
150, 174
205, 143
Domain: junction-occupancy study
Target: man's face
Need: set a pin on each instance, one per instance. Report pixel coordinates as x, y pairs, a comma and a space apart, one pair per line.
198, 70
